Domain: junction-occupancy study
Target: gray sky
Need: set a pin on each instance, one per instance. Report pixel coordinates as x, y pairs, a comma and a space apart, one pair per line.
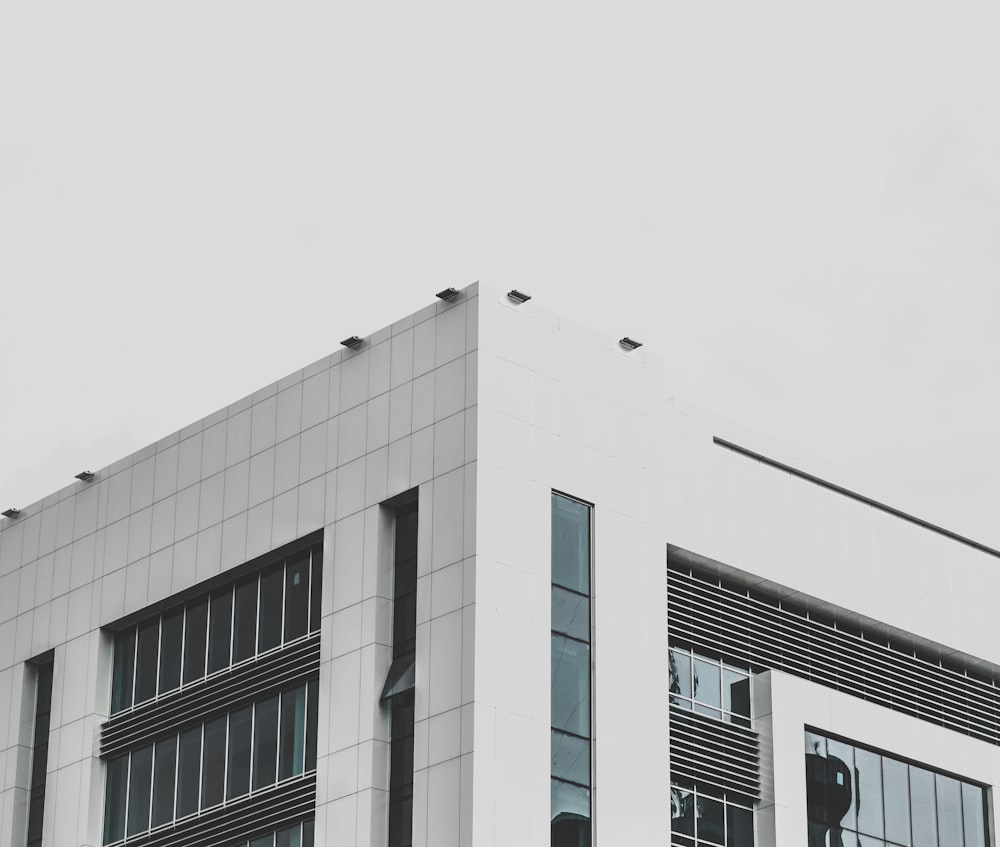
797, 207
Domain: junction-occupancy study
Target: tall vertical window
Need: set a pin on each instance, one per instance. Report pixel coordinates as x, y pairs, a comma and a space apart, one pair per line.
571, 689
398, 690
40, 749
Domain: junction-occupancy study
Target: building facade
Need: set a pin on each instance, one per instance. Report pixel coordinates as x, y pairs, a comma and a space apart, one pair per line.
473, 581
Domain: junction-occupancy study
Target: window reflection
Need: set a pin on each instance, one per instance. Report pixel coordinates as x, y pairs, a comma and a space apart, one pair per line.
709, 686
858, 796
710, 819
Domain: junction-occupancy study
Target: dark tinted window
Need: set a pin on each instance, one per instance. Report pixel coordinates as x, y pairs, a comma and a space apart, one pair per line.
265, 745
272, 584
124, 671
213, 771
195, 630
238, 769
297, 597
171, 634
220, 626
146, 660
164, 770
140, 782
114, 800
245, 620
188, 771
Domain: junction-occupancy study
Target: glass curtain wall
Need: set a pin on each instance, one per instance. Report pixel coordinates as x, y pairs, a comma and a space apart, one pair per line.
214, 632
571, 672
858, 796
40, 751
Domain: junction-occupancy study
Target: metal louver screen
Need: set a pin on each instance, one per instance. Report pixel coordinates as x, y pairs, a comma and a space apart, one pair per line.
765, 634
706, 751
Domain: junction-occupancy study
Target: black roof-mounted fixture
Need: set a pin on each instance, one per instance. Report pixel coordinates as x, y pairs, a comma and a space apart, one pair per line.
352, 342
11, 512
518, 296
630, 343
447, 294
85, 476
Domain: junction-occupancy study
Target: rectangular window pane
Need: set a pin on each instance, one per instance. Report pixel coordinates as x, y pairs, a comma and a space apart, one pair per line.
164, 770
709, 820
272, 584
297, 597
291, 837
570, 613
896, 799
312, 721
140, 782
570, 544
316, 589
146, 660
213, 770
114, 800
238, 761
680, 674
265, 743
124, 671
739, 827
570, 758
188, 771
245, 620
868, 792
171, 633
570, 814
949, 807
195, 630
736, 691
707, 683
292, 736
841, 784
570, 686
972, 813
681, 811
263, 841
220, 625
308, 833
922, 800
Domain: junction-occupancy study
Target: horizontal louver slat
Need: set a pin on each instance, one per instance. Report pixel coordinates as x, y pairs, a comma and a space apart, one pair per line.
762, 633
709, 752
222, 693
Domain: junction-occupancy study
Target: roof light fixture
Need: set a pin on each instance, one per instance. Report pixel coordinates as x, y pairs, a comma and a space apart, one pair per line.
85, 476
11, 512
447, 294
630, 343
518, 296
352, 342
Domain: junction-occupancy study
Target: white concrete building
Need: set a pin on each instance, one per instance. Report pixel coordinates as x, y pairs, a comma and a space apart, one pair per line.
475, 582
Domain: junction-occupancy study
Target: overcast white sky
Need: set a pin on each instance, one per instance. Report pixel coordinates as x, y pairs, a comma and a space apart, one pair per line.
797, 207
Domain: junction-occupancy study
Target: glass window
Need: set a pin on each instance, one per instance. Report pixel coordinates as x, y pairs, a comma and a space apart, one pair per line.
272, 584
213, 771
973, 804
139, 784
570, 685
188, 771
707, 686
312, 714
868, 791
195, 629
265, 743
124, 671
308, 832
263, 841
297, 597
570, 758
316, 590
680, 674
922, 808
570, 544
171, 634
736, 691
570, 802
949, 807
146, 660
114, 800
896, 800
710, 820
164, 771
220, 630
858, 794
739, 826
238, 761
245, 620
681, 811
292, 736
570, 613
291, 837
